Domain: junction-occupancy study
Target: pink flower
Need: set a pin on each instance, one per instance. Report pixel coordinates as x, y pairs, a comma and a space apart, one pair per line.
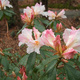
28, 18
48, 38
36, 33
69, 53
59, 26
25, 36
4, 3
18, 78
38, 8
61, 14
28, 11
51, 15
72, 39
33, 44
57, 44
24, 77
73, 28
22, 70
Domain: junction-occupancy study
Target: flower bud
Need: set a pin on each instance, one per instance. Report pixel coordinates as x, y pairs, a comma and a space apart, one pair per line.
64, 60
24, 77
1, 52
18, 78
57, 78
13, 74
5, 74
22, 70
59, 27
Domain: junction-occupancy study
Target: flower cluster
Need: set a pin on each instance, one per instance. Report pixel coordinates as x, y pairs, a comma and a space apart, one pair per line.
70, 37
30, 13
39, 9
52, 15
4, 4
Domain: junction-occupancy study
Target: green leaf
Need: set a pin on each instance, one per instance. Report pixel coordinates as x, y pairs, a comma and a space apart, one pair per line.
5, 63
1, 73
38, 26
42, 52
7, 14
7, 49
46, 47
8, 78
16, 70
46, 52
55, 23
45, 62
23, 60
35, 76
1, 14
25, 25
52, 76
51, 65
44, 21
30, 62
72, 73
8, 54
10, 11
78, 26
49, 24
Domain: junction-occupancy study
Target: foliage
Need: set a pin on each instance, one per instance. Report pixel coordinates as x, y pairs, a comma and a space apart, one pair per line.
46, 58
6, 13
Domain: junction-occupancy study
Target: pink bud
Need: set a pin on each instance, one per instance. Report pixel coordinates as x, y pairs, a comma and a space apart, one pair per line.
64, 60
55, 13
0, 2
57, 44
22, 70
18, 78
24, 77
36, 33
59, 26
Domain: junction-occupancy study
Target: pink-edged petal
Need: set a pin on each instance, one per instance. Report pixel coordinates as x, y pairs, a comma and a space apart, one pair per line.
36, 33
68, 54
48, 37
18, 78
34, 46
57, 44
72, 39
51, 15
25, 36
38, 8
61, 14
24, 77
66, 35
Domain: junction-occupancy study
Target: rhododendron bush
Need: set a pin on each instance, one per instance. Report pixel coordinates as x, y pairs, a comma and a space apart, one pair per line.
52, 51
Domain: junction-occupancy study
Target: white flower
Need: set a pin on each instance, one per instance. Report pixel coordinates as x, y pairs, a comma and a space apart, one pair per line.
4, 4
72, 39
33, 44
38, 8
61, 14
